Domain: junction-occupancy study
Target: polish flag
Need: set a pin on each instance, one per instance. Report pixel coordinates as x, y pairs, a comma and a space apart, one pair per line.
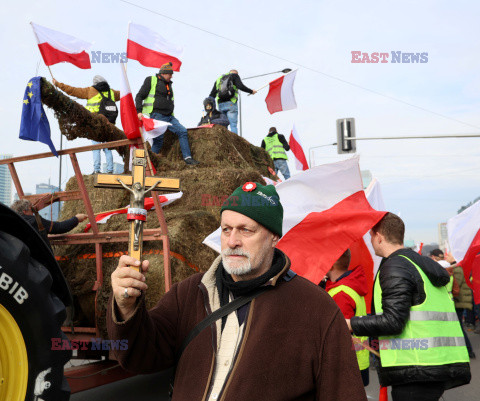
150, 49
102, 218
57, 47
297, 150
128, 113
280, 95
153, 128
464, 238
325, 212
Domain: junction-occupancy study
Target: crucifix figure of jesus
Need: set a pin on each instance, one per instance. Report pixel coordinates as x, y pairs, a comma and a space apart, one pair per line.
139, 186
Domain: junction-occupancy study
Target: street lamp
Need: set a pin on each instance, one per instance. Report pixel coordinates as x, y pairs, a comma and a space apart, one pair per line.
284, 71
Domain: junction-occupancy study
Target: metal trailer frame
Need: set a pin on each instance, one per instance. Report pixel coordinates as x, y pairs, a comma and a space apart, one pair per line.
106, 370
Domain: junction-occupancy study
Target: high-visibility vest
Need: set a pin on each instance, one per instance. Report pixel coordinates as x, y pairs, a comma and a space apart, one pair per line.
148, 101
274, 147
93, 104
360, 310
217, 85
450, 287
432, 334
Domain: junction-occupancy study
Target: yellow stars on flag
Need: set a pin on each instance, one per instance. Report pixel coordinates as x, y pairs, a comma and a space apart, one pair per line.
30, 84
25, 101
30, 94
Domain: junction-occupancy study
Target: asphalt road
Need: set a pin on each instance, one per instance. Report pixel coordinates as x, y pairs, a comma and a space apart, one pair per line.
155, 386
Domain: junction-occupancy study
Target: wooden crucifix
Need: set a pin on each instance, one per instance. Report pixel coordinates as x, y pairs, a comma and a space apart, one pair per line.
139, 186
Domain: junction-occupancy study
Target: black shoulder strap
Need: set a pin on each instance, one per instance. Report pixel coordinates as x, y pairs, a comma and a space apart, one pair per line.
218, 314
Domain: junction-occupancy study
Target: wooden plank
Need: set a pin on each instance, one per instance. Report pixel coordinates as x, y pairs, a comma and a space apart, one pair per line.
110, 181
105, 145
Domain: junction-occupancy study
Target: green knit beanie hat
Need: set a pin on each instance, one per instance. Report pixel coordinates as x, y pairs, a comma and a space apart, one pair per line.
259, 202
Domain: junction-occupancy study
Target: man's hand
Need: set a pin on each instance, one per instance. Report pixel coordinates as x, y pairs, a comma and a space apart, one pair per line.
127, 278
254, 91
140, 116
55, 82
81, 217
449, 258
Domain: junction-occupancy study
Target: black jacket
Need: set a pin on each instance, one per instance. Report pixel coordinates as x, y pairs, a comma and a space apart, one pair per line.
281, 138
163, 101
238, 84
402, 287
213, 116
53, 227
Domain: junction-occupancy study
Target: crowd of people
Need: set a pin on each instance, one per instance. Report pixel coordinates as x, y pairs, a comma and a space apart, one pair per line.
249, 317
156, 100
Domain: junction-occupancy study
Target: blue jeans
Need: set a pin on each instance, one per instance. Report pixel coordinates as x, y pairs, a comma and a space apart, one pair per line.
177, 128
281, 164
97, 160
231, 110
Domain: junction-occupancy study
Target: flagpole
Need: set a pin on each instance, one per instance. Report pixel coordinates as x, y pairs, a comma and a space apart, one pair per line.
128, 35
264, 86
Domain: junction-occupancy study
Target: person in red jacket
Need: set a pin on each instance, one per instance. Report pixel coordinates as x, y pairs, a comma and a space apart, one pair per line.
339, 275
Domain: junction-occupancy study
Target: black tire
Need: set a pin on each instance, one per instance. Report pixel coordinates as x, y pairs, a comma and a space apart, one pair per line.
27, 262
39, 315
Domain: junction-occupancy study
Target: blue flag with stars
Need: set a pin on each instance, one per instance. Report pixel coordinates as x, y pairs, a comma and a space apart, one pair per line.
34, 125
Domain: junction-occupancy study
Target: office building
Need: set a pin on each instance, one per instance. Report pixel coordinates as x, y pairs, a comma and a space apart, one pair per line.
50, 212
5, 182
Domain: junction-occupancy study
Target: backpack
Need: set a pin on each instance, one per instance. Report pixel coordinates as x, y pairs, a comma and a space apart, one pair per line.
226, 90
108, 107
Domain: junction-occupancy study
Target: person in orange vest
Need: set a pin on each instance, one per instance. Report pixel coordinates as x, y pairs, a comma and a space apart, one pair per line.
348, 289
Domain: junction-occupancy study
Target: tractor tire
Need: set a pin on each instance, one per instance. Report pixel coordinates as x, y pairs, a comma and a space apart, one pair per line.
32, 357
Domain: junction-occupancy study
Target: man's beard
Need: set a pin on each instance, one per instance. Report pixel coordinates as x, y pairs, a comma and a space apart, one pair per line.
241, 268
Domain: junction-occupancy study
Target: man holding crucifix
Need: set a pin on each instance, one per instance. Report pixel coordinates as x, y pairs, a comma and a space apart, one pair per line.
261, 331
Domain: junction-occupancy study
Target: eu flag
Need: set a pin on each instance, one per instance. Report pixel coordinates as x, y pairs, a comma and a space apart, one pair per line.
34, 125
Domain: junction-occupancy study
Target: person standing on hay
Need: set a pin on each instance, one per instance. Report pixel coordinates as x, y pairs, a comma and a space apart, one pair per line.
225, 89
155, 99
101, 100
267, 333
277, 147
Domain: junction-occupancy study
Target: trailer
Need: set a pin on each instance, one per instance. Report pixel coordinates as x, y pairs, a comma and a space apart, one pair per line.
16, 379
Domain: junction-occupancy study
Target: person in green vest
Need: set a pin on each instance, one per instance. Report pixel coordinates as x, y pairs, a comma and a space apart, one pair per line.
225, 90
421, 344
277, 147
156, 100
348, 289
94, 94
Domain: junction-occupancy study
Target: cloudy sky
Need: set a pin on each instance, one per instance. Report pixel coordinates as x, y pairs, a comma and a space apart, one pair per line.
425, 181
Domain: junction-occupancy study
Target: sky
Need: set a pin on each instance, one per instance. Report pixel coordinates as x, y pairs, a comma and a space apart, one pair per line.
425, 181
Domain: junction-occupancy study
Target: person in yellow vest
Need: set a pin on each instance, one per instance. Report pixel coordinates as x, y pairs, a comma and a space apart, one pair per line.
155, 99
225, 90
277, 147
94, 94
348, 289
421, 344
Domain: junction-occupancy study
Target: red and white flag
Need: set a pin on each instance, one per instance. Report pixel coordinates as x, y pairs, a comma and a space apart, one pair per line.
297, 150
153, 128
325, 212
280, 94
102, 218
464, 238
128, 113
150, 49
57, 47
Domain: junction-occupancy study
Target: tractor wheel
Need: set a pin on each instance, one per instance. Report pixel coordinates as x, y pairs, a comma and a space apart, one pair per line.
32, 350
